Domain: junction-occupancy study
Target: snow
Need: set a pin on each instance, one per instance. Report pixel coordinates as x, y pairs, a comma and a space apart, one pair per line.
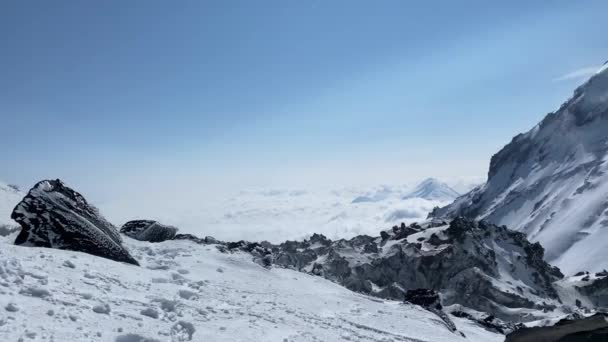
433, 189
188, 300
551, 182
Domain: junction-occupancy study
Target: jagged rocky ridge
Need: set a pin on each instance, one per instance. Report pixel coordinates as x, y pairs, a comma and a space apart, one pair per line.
53, 215
477, 265
551, 182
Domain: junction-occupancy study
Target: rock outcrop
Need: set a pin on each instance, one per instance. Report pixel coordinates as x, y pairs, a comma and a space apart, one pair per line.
477, 265
53, 215
551, 182
148, 230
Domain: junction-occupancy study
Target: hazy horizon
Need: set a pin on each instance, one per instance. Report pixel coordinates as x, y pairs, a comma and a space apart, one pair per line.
206, 98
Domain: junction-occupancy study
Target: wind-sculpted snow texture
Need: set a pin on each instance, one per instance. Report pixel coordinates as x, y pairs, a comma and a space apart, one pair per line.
551, 182
192, 292
148, 230
55, 216
477, 265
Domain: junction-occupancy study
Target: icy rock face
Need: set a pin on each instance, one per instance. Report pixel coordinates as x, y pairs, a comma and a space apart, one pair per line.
478, 265
551, 182
148, 230
55, 216
597, 290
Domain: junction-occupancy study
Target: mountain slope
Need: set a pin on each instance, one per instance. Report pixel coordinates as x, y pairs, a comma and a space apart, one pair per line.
433, 189
551, 182
190, 292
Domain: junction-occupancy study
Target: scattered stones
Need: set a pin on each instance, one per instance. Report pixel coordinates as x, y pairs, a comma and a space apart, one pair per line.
182, 331
69, 264
102, 309
11, 307
150, 312
35, 292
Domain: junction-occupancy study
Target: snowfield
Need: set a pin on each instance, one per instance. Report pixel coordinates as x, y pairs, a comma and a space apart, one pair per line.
189, 292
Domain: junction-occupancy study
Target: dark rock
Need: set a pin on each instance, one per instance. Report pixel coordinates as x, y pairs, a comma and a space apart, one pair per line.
596, 291
458, 261
603, 273
590, 329
189, 237
148, 230
53, 215
423, 297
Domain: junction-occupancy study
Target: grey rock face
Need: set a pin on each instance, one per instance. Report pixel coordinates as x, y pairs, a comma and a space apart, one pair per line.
550, 182
148, 230
597, 290
467, 261
53, 215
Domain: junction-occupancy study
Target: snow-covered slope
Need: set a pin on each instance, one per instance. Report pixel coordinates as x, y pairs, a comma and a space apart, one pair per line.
9, 197
552, 182
433, 189
190, 292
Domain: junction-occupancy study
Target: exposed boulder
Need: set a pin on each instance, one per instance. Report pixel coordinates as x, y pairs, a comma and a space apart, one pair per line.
431, 301
53, 215
424, 297
148, 230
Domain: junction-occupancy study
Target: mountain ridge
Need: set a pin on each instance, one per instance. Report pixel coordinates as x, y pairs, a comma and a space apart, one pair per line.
550, 182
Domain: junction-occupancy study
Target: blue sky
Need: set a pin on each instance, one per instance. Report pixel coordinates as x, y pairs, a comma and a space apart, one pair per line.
216, 94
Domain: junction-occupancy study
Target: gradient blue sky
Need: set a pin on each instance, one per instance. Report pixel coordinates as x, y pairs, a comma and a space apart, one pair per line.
216, 94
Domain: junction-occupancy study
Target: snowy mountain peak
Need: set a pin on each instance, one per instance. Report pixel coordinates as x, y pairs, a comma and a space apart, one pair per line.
551, 182
433, 189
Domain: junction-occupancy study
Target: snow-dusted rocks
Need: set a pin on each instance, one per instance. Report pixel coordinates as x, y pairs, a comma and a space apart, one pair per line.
148, 230
551, 182
55, 216
477, 265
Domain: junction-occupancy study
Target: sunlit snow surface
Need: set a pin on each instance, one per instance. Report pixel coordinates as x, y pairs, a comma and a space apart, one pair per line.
184, 292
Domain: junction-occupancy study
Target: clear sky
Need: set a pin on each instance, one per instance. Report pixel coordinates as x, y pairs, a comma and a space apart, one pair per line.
215, 94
